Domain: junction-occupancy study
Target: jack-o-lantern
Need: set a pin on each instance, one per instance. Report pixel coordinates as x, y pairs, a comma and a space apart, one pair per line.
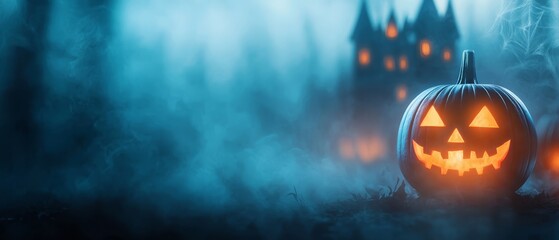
548, 153
466, 138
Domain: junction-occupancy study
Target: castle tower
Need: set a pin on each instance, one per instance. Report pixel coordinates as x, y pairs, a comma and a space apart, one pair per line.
407, 36
391, 31
423, 50
407, 31
391, 46
428, 46
362, 39
450, 37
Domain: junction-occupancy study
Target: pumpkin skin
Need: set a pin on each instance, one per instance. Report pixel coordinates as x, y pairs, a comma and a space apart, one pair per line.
466, 139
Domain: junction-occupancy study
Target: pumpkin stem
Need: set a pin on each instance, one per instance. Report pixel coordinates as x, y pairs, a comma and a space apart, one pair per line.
467, 73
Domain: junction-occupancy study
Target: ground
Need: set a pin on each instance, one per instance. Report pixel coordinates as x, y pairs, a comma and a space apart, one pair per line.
365, 216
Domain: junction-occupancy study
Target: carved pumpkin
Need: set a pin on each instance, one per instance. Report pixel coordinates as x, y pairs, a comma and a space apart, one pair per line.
548, 154
466, 138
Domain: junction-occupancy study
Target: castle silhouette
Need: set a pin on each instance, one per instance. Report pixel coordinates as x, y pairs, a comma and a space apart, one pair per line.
390, 56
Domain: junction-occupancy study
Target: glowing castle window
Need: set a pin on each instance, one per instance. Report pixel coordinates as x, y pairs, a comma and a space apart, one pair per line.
364, 57
391, 31
401, 93
425, 48
403, 63
389, 63
447, 55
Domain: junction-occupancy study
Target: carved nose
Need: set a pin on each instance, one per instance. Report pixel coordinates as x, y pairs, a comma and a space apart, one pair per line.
455, 137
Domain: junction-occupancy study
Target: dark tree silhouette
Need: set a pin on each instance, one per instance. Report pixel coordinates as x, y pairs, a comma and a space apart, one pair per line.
24, 84
81, 113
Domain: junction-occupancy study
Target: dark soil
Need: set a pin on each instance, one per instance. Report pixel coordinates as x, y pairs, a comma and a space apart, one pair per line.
361, 216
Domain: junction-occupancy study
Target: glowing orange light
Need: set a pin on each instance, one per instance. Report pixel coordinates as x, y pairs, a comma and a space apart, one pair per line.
371, 149
455, 137
346, 148
457, 161
389, 63
484, 119
425, 48
447, 55
391, 31
554, 161
401, 93
364, 57
432, 119
403, 63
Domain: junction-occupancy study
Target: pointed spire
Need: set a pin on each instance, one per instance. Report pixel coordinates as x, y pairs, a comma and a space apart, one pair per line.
449, 22
363, 30
378, 29
427, 16
406, 27
392, 16
391, 28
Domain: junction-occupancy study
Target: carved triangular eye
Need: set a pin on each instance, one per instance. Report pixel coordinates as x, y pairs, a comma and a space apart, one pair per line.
484, 119
432, 119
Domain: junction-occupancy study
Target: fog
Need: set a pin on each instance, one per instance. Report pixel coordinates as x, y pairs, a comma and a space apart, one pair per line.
215, 106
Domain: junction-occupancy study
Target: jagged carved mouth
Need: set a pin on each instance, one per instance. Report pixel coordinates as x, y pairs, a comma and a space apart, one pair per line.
456, 160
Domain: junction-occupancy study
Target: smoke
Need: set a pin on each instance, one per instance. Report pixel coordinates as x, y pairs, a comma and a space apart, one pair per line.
527, 31
210, 106
189, 103
530, 49
229, 94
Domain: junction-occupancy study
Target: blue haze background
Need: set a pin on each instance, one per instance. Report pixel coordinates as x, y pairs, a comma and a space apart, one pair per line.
212, 108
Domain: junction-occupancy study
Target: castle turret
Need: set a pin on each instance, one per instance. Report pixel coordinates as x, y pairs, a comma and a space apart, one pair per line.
428, 45
407, 36
362, 38
407, 31
427, 20
391, 47
391, 30
450, 28
386, 54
